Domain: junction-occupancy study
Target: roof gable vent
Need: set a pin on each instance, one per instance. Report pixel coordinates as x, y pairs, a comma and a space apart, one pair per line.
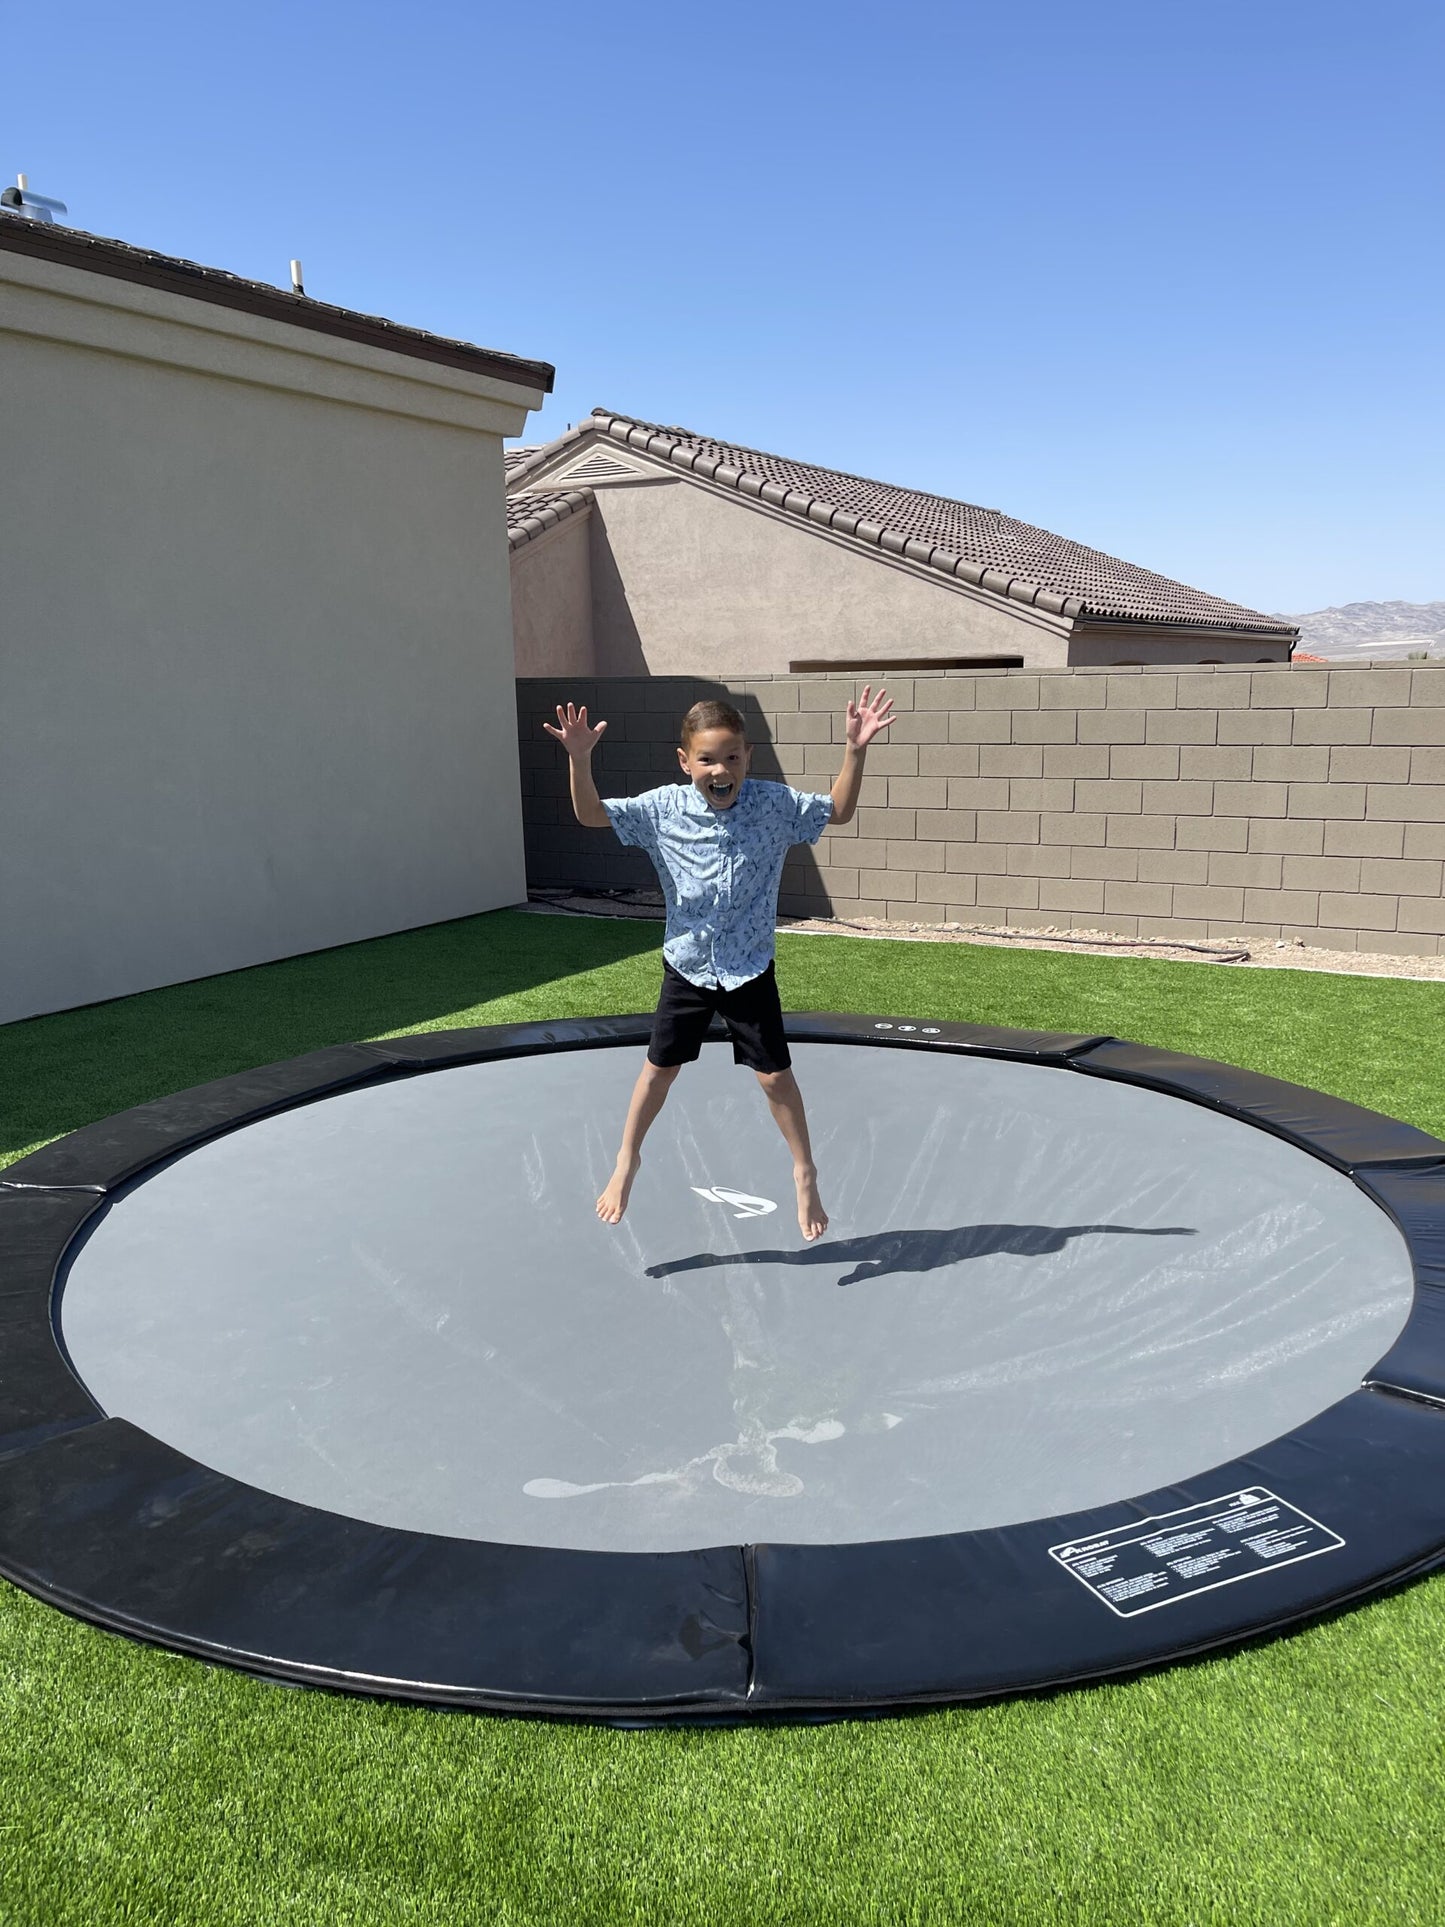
601, 464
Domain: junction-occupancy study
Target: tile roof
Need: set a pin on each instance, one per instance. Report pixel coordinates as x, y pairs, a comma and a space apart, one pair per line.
534, 512
977, 545
98, 255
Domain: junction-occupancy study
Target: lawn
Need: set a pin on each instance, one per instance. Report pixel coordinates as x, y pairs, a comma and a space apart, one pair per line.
1298, 1781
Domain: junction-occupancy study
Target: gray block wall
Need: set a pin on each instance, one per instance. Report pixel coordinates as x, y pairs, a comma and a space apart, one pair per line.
1300, 801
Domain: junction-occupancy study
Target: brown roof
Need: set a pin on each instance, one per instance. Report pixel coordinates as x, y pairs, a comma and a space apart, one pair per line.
977, 545
534, 512
123, 262
516, 458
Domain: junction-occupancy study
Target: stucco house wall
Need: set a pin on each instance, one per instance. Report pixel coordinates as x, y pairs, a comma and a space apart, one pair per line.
257, 659
552, 601
682, 576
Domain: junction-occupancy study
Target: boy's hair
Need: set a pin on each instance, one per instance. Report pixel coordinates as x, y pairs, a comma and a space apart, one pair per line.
710, 715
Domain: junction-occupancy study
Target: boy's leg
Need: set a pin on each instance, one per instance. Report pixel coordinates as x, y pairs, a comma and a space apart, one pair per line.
649, 1094
753, 1014
785, 1101
684, 1011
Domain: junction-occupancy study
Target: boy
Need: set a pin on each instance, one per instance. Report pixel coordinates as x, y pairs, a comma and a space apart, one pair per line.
718, 843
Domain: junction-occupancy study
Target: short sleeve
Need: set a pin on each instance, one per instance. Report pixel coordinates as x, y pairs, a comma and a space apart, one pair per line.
811, 812
635, 820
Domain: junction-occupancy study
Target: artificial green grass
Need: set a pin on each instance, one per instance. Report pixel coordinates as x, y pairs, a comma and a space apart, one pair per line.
1298, 1781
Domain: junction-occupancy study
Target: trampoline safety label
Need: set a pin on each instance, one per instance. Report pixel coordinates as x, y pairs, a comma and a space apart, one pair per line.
1154, 1562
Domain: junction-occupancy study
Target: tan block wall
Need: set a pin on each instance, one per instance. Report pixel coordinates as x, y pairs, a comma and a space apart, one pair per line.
1267, 802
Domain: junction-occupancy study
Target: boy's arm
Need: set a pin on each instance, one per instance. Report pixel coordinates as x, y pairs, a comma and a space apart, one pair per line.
865, 719
586, 803
579, 739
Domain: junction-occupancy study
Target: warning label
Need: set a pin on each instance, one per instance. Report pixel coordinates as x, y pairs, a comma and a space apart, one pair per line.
1154, 1562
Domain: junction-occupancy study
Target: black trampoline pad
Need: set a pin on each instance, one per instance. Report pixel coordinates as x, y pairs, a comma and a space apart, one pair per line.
1039, 1292
327, 1370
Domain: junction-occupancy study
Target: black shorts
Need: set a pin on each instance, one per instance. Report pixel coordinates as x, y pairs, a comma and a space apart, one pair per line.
752, 1013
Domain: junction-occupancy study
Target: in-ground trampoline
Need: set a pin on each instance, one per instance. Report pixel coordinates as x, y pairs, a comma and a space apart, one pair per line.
1109, 1356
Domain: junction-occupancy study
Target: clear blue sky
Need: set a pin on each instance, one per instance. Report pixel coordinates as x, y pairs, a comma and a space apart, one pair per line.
1165, 278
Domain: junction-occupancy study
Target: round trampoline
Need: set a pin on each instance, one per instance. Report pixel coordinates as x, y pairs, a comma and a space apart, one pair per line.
1108, 1356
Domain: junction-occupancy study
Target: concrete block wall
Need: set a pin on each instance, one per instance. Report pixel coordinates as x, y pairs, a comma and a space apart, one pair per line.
1301, 801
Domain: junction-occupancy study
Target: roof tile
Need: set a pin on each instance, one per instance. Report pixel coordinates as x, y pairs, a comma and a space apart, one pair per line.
535, 511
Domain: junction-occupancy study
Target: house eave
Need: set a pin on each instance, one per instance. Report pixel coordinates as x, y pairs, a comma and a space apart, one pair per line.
1087, 624
168, 274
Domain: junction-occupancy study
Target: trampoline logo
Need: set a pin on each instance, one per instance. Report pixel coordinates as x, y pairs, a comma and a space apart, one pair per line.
744, 1206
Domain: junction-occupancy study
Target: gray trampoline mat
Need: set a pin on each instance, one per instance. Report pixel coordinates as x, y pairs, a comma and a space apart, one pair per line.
1040, 1291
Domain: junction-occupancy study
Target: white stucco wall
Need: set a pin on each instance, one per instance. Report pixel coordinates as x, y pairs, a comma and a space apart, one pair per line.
689, 581
255, 640
552, 601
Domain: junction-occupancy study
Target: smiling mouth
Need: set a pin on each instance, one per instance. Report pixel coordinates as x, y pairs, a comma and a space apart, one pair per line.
720, 790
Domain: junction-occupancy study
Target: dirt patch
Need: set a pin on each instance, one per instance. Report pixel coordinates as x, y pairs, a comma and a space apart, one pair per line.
1245, 953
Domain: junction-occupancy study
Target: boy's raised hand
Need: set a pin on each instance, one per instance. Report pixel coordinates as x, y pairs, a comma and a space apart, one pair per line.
576, 735
865, 717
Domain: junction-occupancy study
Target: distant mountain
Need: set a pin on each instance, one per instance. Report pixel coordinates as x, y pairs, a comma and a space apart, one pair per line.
1384, 631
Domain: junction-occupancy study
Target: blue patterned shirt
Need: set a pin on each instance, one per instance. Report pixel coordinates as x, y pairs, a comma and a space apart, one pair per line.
719, 869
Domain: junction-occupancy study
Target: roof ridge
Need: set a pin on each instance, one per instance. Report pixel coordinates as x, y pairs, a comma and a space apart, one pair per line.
830, 515
847, 474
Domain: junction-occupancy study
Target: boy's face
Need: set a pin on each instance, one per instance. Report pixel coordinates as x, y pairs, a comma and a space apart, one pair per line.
716, 761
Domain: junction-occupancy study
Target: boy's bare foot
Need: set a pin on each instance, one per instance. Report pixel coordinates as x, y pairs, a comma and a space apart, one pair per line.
613, 1202
812, 1218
